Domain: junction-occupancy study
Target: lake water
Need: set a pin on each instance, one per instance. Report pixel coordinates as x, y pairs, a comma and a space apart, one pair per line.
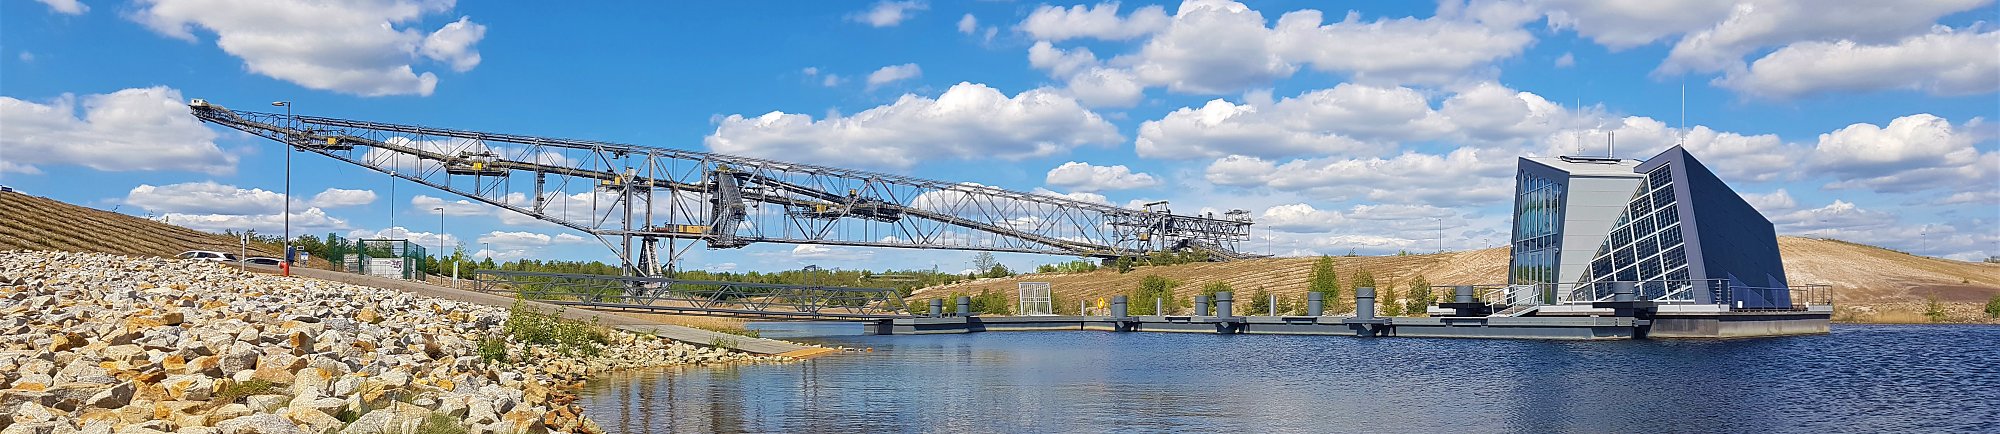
1860, 378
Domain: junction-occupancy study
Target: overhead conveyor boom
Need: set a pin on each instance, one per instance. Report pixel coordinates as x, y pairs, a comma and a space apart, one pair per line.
627, 192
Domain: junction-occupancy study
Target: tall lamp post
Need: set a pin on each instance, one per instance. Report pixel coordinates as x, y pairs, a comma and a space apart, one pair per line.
287, 264
440, 253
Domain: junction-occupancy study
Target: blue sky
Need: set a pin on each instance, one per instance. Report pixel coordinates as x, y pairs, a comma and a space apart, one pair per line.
1365, 126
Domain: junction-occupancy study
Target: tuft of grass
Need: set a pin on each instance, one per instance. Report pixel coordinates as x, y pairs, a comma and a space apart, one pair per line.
440, 423
235, 391
529, 325
739, 331
722, 342
493, 349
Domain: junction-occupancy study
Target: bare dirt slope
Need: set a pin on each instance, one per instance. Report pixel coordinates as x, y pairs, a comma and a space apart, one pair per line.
1869, 278
37, 223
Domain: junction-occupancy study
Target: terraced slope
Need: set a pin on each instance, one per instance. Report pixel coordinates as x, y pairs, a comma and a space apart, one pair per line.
1871, 283
37, 223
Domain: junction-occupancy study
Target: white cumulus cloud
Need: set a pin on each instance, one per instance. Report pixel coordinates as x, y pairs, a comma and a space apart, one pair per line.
366, 48
887, 13
966, 121
893, 73
1101, 21
1943, 62
131, 129
1088, 178
68, 7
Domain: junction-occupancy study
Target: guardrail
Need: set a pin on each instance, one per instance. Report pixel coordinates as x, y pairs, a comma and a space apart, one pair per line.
1718, 291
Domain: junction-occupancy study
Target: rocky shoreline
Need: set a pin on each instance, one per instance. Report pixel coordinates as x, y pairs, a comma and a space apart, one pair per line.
97, 343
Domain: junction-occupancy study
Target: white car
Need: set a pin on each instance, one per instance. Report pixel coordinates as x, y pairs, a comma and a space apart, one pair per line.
208, 255
263, 260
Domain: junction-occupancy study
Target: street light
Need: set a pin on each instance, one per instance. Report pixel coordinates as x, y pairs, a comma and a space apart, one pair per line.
488, 248
287, 268
440, 253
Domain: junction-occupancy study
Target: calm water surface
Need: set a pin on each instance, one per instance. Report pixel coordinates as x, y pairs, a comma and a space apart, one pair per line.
1857, 379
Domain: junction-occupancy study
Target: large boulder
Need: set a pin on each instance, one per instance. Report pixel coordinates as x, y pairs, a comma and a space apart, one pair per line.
259, 424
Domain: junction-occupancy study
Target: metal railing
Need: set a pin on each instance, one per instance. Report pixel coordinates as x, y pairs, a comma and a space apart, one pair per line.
695, 297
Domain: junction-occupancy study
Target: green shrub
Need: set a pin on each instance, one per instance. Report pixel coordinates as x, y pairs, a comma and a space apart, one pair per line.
1934, 310
534, 327
1152, 287
493, 349
1325, 281
1420, 297
1993, 307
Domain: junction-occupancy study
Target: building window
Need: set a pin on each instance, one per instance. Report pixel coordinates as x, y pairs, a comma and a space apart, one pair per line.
1537, 234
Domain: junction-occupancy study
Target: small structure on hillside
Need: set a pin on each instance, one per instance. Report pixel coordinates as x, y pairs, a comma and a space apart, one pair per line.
1035, 299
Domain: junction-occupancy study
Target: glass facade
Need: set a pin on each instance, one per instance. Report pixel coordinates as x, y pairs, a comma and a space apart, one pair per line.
1537, 229
1646, 245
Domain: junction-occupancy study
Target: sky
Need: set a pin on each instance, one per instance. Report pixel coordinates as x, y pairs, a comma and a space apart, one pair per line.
1342, 126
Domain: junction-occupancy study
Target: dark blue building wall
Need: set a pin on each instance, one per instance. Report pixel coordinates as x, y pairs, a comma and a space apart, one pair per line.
1734, 240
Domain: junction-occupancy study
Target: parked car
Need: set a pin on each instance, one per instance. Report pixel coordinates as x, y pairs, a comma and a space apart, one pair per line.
208, 255
263, 260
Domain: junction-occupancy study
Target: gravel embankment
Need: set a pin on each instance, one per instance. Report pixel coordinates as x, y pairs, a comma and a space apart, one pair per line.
96, 343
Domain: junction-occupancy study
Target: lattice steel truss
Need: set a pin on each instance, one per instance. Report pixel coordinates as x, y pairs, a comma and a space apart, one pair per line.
624, 193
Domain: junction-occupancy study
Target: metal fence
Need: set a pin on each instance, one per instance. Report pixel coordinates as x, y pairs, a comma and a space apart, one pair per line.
1718, 291
695, 297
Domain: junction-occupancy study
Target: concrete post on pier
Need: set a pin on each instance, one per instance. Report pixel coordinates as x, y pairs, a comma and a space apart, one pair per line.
1223, 302
937, 308
1364, 322
1462, 294
964, 306
1118, 306
1271, 309
1159, 306
1201, 305
1315, 303
1364, 303
1624, 291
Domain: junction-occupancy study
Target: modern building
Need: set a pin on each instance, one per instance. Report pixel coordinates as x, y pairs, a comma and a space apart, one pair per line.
1667, 223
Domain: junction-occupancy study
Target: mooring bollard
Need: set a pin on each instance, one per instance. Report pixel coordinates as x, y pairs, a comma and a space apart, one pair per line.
964, 306
1201, 305
1315, 303
937, 308
1223, 302
1462, 294
1624, 291
1118, 306
1364, 303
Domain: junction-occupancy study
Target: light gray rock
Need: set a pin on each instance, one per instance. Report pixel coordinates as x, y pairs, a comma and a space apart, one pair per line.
259, 424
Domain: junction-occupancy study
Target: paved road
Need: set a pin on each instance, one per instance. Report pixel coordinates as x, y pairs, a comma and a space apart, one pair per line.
680, 333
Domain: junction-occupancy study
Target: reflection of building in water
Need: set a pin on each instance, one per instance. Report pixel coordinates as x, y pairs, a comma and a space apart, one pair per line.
1667, 223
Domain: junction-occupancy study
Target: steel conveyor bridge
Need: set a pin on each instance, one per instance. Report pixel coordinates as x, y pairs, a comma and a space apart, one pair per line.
622, 193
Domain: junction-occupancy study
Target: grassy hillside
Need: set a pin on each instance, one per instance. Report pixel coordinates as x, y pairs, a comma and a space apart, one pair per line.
37, 223
1871, 283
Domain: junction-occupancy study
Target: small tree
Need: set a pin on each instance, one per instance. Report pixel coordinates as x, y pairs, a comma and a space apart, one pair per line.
1323, 280
1152, 287
1388, 300
1420, 297
1214, 287
1260, 301
1934, 310
984, 261
1993, 307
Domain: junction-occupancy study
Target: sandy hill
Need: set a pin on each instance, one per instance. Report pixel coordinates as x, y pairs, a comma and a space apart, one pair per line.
38, 223
1869, 281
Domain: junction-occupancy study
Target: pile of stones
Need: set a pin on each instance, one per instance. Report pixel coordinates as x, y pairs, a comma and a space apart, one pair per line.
97, 343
